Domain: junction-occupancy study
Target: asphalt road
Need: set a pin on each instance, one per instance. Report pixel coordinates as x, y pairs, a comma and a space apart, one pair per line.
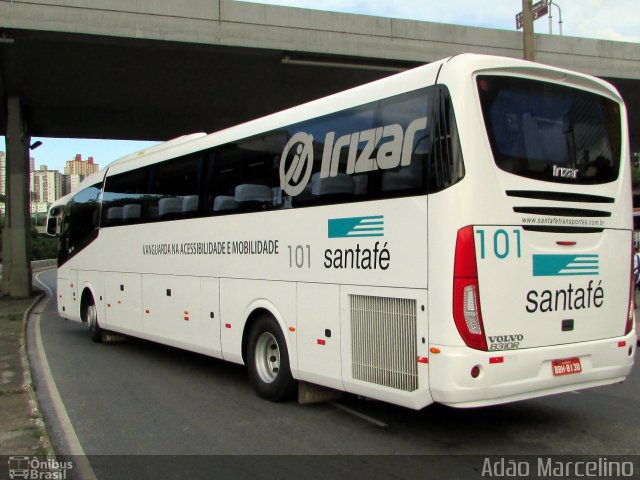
160, 404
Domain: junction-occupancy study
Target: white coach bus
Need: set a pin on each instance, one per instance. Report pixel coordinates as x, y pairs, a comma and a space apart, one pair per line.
458, 233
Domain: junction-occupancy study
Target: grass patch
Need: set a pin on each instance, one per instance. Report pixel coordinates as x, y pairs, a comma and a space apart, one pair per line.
34, 433
12, 391
12, 317
42, 452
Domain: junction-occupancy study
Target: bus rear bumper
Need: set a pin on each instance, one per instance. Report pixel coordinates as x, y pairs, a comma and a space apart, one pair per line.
513, 375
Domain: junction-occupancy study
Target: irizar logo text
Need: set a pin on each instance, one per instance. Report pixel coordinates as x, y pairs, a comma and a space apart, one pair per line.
393, 147
565, 172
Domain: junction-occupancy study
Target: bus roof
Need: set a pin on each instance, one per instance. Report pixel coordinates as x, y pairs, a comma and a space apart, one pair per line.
157, 148
61, 202
385, 87
389, 86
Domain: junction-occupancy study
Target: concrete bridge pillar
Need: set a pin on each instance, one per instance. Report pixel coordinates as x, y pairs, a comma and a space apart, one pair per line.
16, 237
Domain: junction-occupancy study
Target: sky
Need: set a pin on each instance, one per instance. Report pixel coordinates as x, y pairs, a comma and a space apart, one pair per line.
617, 20
54, 152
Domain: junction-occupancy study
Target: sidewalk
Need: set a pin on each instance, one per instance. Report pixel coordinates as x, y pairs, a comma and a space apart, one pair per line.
22, 430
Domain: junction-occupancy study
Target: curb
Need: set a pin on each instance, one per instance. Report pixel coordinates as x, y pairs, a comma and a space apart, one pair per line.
27, 385
80, 462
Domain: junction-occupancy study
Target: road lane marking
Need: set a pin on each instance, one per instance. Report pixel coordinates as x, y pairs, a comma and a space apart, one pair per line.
362, 416
43, 285
81, 463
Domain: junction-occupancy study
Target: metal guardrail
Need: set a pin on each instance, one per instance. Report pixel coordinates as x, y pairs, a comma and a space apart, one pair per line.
39, 265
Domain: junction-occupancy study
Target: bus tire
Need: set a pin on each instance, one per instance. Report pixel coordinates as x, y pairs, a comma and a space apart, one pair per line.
268, 361
91, 317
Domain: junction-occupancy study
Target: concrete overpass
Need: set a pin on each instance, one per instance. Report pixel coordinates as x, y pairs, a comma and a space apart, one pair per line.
156, 69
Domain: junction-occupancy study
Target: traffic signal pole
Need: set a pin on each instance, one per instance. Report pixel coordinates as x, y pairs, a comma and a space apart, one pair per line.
528, 46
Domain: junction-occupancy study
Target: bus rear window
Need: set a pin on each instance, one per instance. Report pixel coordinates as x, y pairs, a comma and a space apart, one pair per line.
551, 132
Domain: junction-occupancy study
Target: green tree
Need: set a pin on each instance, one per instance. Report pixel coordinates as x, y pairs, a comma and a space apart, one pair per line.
43, 247
635, 169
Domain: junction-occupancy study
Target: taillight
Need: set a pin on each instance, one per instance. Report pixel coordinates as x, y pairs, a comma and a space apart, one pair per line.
466, 292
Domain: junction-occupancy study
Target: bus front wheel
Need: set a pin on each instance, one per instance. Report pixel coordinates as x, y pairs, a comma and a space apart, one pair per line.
268, 361
91, 316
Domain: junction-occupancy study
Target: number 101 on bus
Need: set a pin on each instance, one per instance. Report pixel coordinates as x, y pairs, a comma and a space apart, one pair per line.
299, 256
502, 243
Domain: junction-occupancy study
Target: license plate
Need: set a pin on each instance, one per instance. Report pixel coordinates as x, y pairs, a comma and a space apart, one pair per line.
566, 366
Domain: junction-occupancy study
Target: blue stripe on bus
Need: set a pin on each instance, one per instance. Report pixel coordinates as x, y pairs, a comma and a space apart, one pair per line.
372, 226
561, 265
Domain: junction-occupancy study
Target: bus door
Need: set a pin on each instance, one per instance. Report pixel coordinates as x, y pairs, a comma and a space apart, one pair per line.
318, 313
172, 308
67, 295
122, 295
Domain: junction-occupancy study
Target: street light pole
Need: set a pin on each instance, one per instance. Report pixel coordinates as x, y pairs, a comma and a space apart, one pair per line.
527, 29
551, 17
559, 17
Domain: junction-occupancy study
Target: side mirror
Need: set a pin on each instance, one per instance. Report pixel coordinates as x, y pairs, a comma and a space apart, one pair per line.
54, 220
53, 226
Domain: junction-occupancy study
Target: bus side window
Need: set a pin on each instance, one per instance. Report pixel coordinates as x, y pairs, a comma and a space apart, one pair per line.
446, 166
410, 111
80, 225
244, 176
175, 188
123, 198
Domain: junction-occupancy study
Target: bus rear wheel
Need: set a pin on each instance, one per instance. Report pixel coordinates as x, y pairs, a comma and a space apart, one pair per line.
91, 317
268, 361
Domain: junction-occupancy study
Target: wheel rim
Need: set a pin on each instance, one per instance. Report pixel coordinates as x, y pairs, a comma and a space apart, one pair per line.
92, 317
267, 357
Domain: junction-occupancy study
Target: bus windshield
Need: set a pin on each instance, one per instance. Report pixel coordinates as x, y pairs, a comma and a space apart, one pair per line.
551, 132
